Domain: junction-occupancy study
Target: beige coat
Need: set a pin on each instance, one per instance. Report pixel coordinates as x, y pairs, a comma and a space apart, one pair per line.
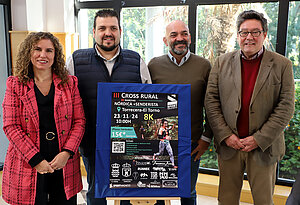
270, 110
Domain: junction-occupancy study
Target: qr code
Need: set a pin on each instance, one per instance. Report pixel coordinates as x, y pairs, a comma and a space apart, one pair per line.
118, 147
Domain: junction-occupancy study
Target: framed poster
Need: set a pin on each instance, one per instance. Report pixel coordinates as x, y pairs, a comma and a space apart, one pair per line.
143, 140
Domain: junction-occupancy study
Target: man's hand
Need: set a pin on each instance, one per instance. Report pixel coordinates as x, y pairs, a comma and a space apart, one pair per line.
249, 143
44, 167
234, 142
60, 160
200, 149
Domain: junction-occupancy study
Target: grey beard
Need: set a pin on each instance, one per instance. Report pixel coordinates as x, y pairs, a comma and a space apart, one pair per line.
179, 52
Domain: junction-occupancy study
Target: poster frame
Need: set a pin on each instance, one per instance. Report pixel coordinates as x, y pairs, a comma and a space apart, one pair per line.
103, 127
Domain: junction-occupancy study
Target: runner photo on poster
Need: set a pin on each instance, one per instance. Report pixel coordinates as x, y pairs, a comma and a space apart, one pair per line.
144, 140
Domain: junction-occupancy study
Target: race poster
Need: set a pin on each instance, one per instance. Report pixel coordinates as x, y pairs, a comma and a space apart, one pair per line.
144, 140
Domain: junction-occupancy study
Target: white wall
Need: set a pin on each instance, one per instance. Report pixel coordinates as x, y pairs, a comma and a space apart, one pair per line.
55, 16
154, 33
36, 15
69, 19
43, 15
19, 15
84, 28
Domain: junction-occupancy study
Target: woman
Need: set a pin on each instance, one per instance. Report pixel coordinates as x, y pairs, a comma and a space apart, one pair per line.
164, 143
44, 122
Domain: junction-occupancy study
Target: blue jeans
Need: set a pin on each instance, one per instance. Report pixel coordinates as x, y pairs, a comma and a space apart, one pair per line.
194, 175
89, 163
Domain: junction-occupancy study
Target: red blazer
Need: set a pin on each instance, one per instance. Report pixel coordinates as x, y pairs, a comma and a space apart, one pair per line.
21, 126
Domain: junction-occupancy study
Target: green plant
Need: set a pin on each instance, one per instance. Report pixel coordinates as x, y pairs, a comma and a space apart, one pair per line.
290, 164
209, 158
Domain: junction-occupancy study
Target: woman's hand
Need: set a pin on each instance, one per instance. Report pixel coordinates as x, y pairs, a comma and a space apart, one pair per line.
44, 167
60, 160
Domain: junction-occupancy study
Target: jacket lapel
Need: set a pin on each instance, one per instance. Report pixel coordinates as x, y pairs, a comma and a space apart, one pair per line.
263, 73
58, 92
236, 72
29, 101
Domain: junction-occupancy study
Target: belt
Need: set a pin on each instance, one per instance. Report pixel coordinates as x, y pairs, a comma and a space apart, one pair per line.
50, 136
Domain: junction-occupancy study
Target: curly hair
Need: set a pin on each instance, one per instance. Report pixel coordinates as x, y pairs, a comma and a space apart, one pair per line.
24, 67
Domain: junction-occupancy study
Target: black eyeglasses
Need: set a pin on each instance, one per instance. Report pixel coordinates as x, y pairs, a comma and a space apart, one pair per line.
253, 33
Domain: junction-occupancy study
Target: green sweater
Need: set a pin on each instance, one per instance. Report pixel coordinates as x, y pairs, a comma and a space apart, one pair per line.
194, 71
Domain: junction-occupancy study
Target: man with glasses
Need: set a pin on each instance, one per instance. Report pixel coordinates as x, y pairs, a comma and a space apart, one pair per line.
249, 102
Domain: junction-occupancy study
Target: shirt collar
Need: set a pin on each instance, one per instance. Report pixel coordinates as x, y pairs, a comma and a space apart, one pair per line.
183, 60
258, 54
112, 59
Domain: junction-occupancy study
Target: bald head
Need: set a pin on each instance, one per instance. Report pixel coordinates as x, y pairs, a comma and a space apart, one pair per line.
177, 38
174, 25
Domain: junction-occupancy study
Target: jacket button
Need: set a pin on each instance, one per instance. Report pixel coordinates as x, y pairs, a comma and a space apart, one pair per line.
236, 111
63, 132
26, 120
28, 135
66, 116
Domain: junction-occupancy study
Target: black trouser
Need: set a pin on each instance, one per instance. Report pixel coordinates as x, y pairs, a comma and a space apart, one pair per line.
294, 197
50, 190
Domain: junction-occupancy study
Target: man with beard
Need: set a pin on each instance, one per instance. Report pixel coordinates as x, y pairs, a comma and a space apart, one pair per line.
105, 62
180, 66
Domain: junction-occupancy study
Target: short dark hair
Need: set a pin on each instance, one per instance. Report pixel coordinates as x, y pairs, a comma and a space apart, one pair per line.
106, 13
251, 14
163, 121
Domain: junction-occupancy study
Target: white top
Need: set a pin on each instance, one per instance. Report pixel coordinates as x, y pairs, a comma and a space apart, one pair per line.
183, 60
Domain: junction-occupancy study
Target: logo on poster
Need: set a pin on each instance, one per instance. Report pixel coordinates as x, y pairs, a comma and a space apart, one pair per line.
115, 170
172, 176
126, 170
154, 175
144, 175
163, 175
135, 175
143, 168
172, 104
142, 163
140, 184
169, 183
